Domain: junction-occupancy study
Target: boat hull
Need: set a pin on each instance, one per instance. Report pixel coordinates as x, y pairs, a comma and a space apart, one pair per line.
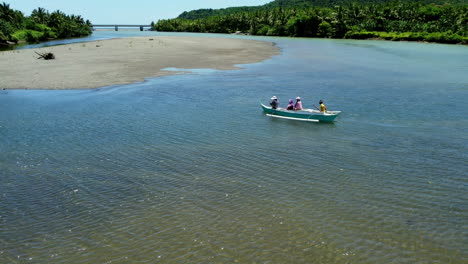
302, 115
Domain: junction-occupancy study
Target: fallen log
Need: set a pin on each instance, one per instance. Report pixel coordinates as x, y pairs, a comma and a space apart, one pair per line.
46, 55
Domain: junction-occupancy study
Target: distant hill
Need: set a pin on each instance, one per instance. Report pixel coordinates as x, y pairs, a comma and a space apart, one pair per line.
357, 19
203, 13
330, 3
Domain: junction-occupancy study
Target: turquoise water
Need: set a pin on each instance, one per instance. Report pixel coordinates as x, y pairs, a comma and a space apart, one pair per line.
187, 169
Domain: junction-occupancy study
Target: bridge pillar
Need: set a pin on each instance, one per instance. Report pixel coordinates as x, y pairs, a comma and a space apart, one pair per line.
116, 28
141, 28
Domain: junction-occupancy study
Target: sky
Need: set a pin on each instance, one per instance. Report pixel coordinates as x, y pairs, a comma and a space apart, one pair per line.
126, 12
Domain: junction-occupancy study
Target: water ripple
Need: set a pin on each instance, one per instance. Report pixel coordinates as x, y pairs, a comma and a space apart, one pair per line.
187, 168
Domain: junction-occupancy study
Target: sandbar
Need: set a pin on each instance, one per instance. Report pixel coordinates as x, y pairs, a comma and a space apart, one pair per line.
125, 60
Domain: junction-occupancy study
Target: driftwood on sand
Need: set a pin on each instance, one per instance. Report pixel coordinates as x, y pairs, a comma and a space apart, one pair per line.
46, 55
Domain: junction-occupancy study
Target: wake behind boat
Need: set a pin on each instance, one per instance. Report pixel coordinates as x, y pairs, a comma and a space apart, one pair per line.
310, 115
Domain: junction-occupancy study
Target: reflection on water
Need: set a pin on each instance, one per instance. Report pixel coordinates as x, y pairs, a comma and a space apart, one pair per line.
187, 169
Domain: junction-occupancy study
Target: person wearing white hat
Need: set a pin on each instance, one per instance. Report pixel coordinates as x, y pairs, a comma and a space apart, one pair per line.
274, 102
298, 105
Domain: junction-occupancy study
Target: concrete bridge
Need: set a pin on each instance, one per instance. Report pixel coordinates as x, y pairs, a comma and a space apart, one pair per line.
117, 26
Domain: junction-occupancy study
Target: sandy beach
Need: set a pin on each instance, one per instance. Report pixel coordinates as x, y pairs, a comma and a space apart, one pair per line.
124, 60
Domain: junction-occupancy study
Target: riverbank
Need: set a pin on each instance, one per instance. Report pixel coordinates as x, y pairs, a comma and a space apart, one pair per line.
125, 60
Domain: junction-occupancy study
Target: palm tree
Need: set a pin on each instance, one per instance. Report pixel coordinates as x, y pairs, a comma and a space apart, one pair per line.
6, 13
40, 15
13, 17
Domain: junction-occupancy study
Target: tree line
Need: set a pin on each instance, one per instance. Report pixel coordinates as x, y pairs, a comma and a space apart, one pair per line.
395, 20
332, 3
203, 13
40, 25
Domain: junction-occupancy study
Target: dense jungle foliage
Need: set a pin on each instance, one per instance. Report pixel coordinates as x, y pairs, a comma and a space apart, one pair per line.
393, 20
331, 3
203, 13
40, 25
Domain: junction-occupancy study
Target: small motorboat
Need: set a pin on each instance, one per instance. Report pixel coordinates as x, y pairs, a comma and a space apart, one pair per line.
309, 115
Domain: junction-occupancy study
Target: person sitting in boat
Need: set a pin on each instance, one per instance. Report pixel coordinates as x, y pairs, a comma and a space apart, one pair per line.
323, 108
298, 105
274, 102
290, 105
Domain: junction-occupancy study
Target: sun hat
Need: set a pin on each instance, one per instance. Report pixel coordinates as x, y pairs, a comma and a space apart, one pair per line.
298, 98
274, 97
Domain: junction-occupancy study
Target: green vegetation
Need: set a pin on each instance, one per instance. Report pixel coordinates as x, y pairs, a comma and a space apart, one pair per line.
392, 20
441, 37
41, 25
203, 13
332, 3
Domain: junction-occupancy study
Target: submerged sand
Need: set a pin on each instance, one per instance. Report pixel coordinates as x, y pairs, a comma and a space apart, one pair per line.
125, 60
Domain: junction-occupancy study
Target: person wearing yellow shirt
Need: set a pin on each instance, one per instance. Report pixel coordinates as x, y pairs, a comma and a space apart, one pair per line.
323, 108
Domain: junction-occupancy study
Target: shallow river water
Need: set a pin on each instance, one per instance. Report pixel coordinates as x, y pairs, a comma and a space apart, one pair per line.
187, 168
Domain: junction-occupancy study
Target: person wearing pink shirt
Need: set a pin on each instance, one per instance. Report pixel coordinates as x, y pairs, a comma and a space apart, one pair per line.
298, 105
